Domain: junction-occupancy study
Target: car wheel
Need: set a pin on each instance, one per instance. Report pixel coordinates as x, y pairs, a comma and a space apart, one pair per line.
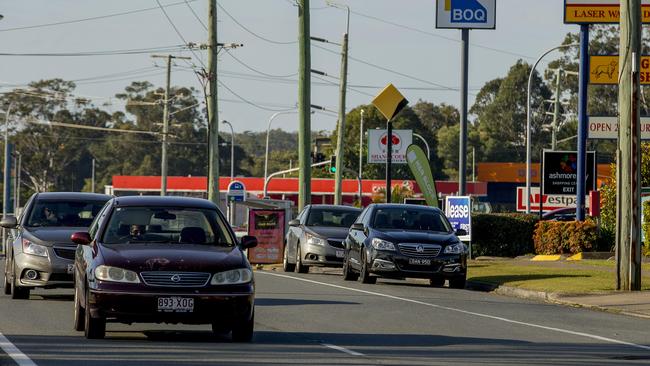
437, 281
286, 266
364, 275
7, 287
79, 313
94, 328
17, 293
348, 275
300, 268
458, 282
243, 332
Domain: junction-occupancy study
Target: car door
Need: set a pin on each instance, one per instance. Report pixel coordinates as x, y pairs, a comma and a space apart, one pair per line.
294, 234
356, 238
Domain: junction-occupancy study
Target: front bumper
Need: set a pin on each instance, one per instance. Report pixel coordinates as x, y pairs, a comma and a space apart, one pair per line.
322, 255
52, 271
397, 265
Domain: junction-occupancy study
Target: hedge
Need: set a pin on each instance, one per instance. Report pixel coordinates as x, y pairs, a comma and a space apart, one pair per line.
646, 228
560, 237
503, 235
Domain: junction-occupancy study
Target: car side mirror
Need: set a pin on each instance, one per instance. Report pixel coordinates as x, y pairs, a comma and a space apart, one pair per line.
461, 232
9, 222
248, 241
294, 222
81, 238
357, 226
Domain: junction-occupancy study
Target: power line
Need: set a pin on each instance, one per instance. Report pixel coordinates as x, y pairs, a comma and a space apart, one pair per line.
136, 51
196, 15
251, 32
251, 103
258, 71
178, 32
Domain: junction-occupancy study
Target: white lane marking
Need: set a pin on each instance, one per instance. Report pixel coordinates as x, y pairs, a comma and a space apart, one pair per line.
13, 352
506, 320
342, 349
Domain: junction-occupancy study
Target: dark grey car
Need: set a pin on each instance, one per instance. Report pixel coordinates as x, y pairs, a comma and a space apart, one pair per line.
39, 251
315, 237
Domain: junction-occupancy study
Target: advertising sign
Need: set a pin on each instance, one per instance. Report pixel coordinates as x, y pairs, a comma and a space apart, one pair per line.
550, 202
377, 140
420, 168
598, 11
561, 169
268, 227
472, 14
604, 69
458, 210
607, 128
236, 191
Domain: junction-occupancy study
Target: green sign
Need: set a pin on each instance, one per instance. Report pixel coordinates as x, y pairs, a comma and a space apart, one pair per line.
420, 168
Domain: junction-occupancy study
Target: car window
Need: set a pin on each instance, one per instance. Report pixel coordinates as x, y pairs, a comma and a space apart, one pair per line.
410, 219
131, 225
303, 215
361, 216
95, 225
367, 217
331, 217
65, 213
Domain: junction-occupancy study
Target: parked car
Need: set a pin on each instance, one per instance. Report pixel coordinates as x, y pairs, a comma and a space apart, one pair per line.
163, 260
560, 214
39, 252
400, 241
315, 237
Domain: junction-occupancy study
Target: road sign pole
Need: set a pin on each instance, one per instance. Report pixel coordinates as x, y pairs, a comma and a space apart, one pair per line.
389, 158
462, 153
583, 120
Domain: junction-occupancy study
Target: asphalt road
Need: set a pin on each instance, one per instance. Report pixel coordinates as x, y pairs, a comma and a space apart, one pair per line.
321, 319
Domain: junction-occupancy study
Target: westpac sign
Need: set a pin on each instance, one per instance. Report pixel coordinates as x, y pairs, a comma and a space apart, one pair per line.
475, 14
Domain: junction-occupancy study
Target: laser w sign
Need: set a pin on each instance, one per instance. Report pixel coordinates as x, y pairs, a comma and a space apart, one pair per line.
472, 14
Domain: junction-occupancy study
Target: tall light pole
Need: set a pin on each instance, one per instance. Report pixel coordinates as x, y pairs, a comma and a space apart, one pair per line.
268, 131
361, 152
425, 145
529, 118
232, 150
7, 177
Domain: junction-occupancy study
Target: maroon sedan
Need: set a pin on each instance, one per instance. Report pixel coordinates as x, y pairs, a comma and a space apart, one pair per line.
163, 260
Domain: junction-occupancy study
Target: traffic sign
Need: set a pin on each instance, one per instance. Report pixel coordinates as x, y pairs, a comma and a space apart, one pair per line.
598, 11
607, 128
236, 191
390, 101
468, 14
604, 70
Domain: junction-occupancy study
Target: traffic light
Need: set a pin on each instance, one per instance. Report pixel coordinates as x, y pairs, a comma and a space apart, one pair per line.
333, 164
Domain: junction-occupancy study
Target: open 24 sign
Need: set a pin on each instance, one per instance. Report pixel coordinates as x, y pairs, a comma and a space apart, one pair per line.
458, 210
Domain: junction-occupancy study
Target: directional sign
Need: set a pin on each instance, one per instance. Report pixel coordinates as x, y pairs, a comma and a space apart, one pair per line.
390, 102
607, 128
471, 14
236, 191
598, 11
604, 70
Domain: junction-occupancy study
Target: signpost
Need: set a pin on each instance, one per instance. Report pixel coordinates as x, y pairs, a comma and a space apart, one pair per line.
378, 146
458, 210
560, 172
606, 128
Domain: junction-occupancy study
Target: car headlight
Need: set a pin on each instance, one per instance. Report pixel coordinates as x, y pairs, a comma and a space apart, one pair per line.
34, 249
381, 244
232, 277
311, 239
457, 248
115, 274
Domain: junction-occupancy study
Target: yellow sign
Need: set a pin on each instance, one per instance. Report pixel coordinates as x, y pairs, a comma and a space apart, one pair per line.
598, 11
390, 102
604, 70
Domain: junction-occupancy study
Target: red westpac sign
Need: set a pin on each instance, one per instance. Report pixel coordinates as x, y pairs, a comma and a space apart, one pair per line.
550, 202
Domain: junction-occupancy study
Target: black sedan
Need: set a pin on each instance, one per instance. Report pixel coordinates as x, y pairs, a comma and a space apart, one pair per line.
163, 260
400, 241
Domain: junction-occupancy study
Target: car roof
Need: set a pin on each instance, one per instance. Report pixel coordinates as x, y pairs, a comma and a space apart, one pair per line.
157, 201
81, 196
338, 207
405, 206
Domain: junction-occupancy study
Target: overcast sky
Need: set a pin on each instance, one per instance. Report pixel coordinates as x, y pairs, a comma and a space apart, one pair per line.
263, 71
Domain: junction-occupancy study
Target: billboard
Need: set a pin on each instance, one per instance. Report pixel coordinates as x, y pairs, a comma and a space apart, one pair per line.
560, 173
607, 128
458, 210
268, 227
377, 140
604, 70
549, 202
470, 14
598, 11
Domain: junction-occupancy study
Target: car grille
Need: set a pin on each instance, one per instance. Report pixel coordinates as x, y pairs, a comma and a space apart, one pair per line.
419, 250
335, 243
175, 279
65, 252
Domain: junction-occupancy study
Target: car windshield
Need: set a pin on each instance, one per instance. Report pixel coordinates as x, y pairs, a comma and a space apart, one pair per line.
331, 217
410, 219
131, 225
64, 213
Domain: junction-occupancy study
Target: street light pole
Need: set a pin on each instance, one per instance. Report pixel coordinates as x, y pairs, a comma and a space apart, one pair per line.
232, 150
361, 154
529, 117
425, 145
268, 131
7, 167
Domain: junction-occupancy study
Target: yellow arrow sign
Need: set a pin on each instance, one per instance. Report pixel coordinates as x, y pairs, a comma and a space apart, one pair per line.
390, 102
604, 70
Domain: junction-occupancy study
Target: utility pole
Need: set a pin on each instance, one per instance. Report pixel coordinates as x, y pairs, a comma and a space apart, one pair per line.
462, 153
339, 138
165, 131
628, 225
213, 118
304, 105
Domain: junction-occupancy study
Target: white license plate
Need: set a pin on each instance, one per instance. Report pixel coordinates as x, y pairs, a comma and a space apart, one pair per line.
420, 261
340, 253
70, 268
176, 304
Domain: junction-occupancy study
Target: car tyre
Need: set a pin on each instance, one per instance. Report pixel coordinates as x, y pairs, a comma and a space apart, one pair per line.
243, 332
79, 313
17, 293
300, 268
348, 275
364, 275
286, 266
437, 281
458, 282
94, 328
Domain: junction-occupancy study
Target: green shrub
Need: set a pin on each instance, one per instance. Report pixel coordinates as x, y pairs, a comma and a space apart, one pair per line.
502, 235
560, 237
646, 228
